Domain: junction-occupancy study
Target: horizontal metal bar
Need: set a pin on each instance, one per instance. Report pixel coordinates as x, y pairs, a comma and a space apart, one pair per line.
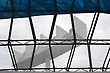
52, 68
57, 40
56, 44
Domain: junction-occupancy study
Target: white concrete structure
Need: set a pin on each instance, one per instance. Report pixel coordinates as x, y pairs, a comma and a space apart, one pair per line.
42, 53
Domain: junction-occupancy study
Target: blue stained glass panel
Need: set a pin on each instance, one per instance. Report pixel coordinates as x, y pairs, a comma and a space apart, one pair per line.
24, 8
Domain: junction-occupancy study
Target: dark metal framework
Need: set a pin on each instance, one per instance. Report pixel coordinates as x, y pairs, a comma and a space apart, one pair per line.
89, 41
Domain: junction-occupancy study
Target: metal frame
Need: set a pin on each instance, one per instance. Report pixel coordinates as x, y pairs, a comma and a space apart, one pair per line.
50, 37
55, 42
89, 41
9, 37
90, 35
74, 44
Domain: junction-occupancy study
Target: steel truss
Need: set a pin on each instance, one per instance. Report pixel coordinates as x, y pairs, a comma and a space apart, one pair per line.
74, 42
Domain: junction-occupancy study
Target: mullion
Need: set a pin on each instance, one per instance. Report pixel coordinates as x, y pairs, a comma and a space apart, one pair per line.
74, 36
9, 37
88, 44
34, 38
91, 32
74, 45
50, 38
33, 33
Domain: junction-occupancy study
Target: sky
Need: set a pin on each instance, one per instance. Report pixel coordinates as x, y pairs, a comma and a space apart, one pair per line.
42, 24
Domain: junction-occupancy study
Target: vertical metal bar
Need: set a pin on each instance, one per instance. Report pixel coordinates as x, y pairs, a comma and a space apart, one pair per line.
69, 57
11, 57
90, 58
14, 58
33, 33
91, 26
94, 27
73, 28
9, 43
50, 37
74, 36
91, 35
73, 46
34, 38
88, 45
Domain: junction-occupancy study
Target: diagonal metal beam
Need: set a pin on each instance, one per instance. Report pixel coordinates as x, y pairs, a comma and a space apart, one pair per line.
9, 37
13, 56
95, 23
71, 57
10, 30
34, 38
33, 34
90, 35
50, 38
88, 44
74, 45
107, 64
73, 28
68, 63
91, 26
74, 36
106, 58
90, 58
